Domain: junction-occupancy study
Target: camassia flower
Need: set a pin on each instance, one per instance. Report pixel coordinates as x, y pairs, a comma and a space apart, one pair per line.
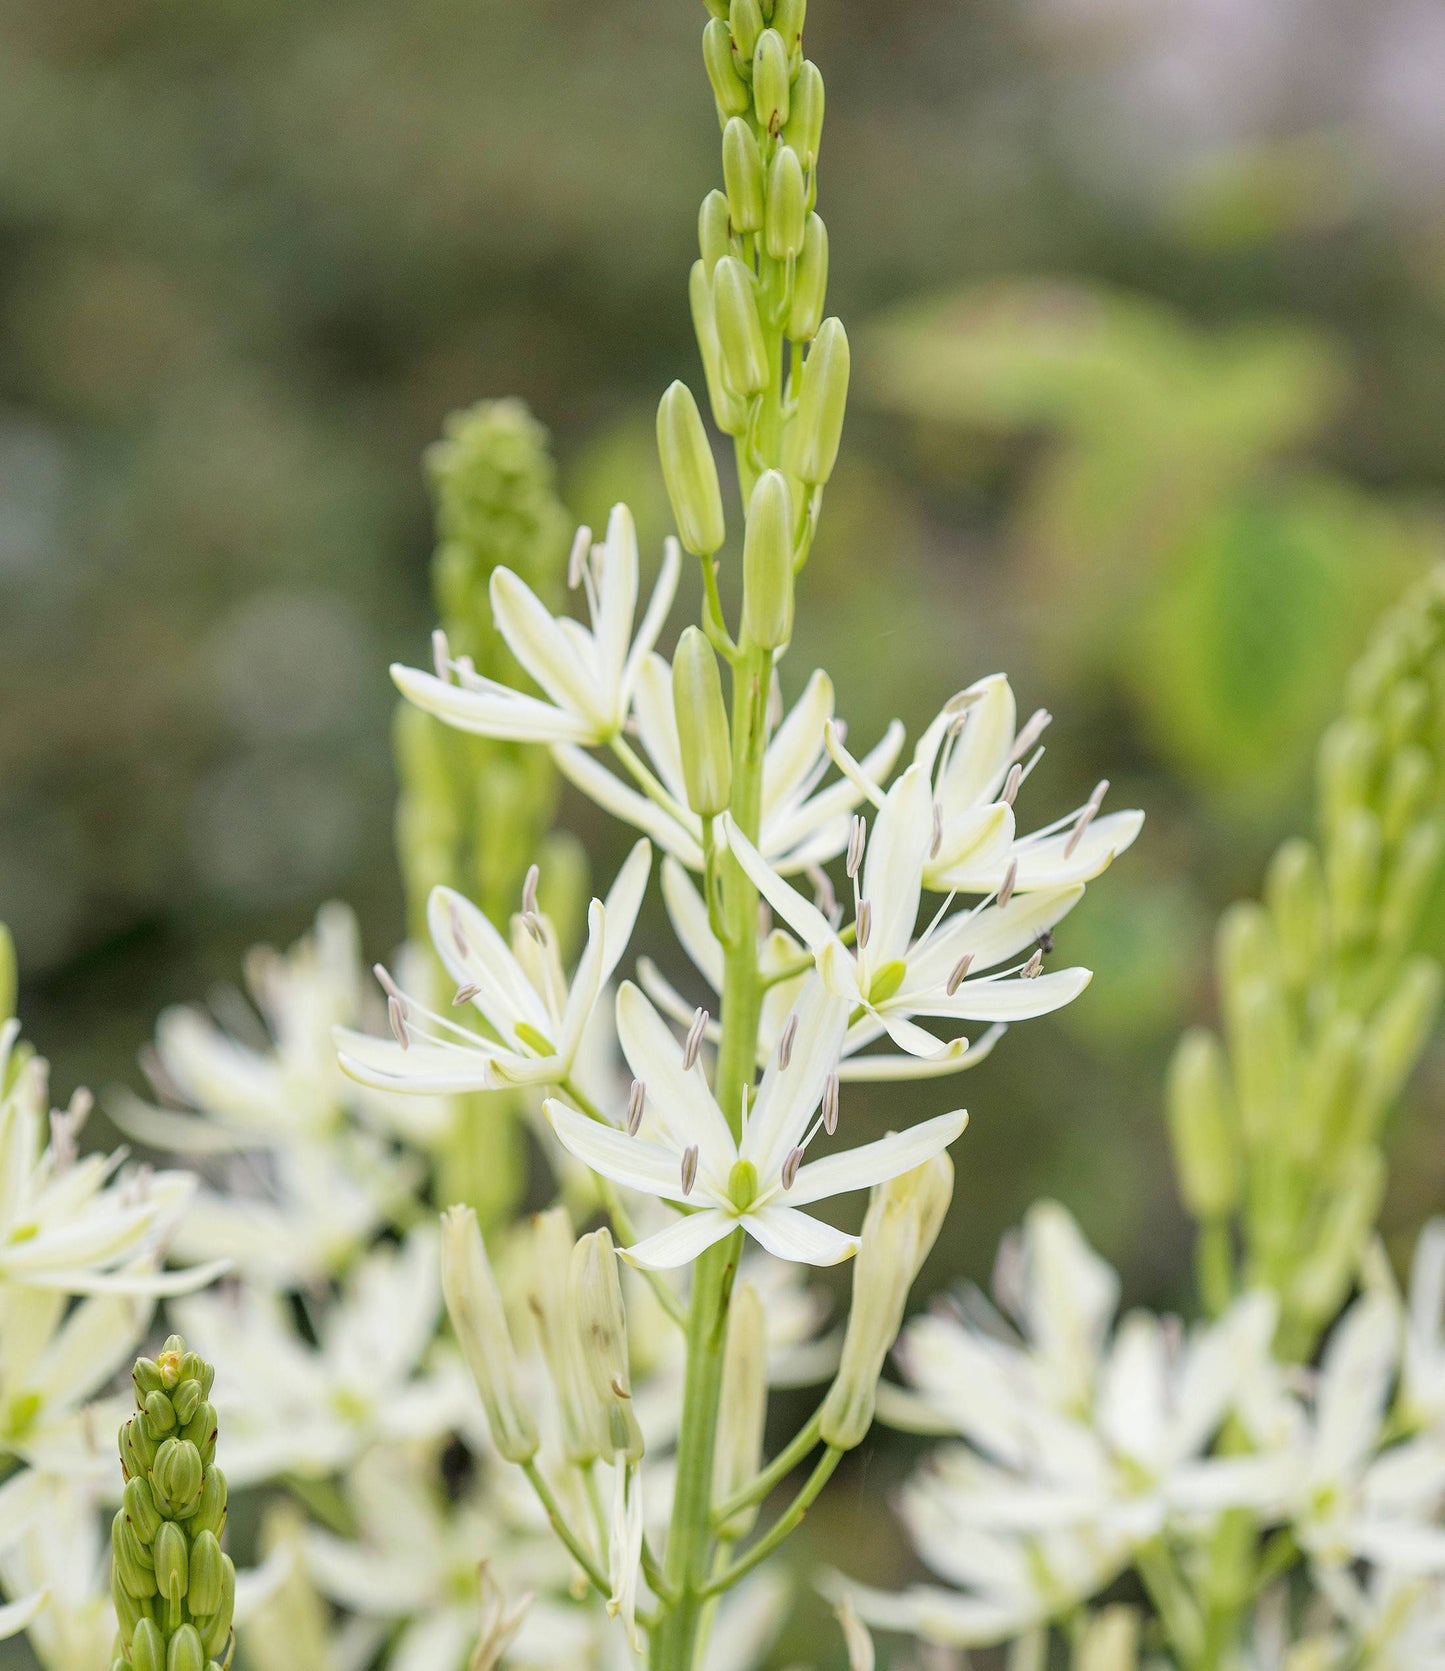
801, 823
588, 677
537, 1021
976, 758
682, 1150
886, 976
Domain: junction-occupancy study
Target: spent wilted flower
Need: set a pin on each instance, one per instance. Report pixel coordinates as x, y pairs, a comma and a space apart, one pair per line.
686, 1153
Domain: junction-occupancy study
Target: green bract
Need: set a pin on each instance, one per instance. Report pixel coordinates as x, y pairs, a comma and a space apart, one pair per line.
174, 1588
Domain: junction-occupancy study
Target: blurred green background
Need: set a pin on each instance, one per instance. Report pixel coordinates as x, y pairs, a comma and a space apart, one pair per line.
1148, 303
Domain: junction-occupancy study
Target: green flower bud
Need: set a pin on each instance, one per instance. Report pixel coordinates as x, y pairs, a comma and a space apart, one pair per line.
822, 403
131, 1563
745, 21
714, 230
602, 1325
176, 1478
729, 413
1348, 753
743, 1406
549, 1300
1294, 887
728, 86
1397, 1035
139, 1507
146, 1378
148, 1647
160, 1412
1244, 951
1409, 782
810, 282
1332, 1081
185, 1652
1408, 883
742, 176
787, 19
137, 1446
1261, 1035
201, 1430
702, 724
768, 563
216, 1631
207, 1580
1353, 874
210, 1512
193, 1367
690, 472
475, 1307
186, 1399
173, 1564
129, 1609
899, 1230
1201, 1125
739, 330
771, 81
1325, 1277
804, 128
786, 210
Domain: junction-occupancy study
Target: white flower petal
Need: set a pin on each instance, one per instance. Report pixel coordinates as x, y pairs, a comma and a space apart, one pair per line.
384, 1065
633, 1161
875, 1163
609, 792
788, 1234
990, 936
1007, 1000
653, 621
801, 915
507, 714
787, 1096
545, 650
687, 912
680, 1243
678, 1099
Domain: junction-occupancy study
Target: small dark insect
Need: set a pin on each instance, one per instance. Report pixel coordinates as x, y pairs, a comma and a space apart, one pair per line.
1046, 940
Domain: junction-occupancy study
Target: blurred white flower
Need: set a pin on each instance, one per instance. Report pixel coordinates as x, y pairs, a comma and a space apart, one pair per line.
683, 1151
293, 1408
588, 676
539, 1022
1422, 1388
53, 1555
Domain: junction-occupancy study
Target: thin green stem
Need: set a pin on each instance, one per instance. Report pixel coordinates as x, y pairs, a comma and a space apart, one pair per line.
785, 1525
648, 781
575, 1549
761, 1485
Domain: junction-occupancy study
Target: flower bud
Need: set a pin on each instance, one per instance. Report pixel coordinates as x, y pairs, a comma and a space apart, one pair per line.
804, 128
1409, 782
160, 1413
786, 211
186, 1400
1261, 1037
602, 1323
1348, 753
1201, 1124
1244, 950
146, 1378
1110, 1642
728, 87
210, 1513
714, 230
137, 1446
1353, 874
768, 563
176, 1478
549, 1298
206, 1584
728, 412
1323, 1280
131, 1563
690, 472
787, 19
745, 22
742, 176
810, 282
1294, 887
1408, 882
1329, 1097
702, 724
822, 403
173, 1564
771, 81
216, 1629
139, 1508
185, 1652
475, 1307
743, 1406
739, 330
148, 1647
201, 1430
903, 1219
1396, 1036
129, 1609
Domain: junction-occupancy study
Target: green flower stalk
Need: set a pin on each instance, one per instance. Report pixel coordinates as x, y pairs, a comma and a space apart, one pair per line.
174, 1588
1325, 998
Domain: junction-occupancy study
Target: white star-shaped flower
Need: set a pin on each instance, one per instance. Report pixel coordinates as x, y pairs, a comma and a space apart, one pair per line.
588, 676
684, 1152
886, 976
537, 1020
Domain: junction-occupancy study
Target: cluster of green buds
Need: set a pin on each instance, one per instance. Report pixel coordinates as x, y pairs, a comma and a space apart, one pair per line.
473, 811
1325, 998
776, 370
174, 1588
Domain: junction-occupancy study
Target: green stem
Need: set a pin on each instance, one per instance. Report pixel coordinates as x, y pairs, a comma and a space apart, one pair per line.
573, 1543
786, 1523
690, 1540
794, 1452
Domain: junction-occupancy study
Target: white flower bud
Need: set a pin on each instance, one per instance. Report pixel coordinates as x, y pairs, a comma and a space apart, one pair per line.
602, 1329
475, 1306
549, 1298
904, 1216
743, 1406
1201, 1125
